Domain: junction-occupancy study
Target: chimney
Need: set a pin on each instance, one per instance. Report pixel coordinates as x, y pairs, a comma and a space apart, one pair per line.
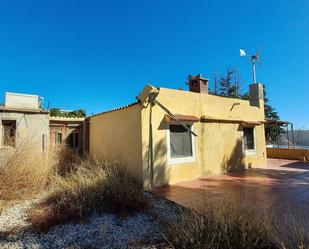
198, 84
256, 95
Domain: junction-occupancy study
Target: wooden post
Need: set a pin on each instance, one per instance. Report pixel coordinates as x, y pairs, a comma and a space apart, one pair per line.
278, 133
287, 135
292, 130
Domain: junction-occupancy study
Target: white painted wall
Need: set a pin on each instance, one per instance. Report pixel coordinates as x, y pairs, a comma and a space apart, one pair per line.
31, 130
18, 100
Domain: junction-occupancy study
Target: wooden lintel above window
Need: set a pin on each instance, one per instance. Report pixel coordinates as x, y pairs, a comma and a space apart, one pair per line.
185, 118
252, 122
223, 120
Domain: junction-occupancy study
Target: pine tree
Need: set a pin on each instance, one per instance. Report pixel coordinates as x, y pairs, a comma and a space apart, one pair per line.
271, 131
229, 86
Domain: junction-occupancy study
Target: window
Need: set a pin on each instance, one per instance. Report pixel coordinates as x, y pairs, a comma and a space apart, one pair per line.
58, 138
44, 142
73, 140
8, 133
180, 144
249, 143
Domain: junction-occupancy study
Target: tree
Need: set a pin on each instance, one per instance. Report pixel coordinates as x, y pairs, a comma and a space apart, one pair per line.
229, 86
80, 113
56, 112
271, 131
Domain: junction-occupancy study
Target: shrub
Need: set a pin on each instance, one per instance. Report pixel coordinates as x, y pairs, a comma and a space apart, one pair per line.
220, 224
23, 173
235, 223
92, 187
290, 233
123, 192
64, 160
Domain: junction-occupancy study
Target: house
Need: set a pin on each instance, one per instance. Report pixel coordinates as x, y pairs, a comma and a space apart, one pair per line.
24, 122
67, 130
169, 136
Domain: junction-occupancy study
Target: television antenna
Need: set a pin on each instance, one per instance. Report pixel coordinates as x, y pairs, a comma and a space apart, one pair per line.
253, 58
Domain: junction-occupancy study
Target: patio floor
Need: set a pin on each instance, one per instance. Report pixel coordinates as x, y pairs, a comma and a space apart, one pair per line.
282, 184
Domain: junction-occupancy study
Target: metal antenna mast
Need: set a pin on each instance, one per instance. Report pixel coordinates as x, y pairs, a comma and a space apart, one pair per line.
254, 58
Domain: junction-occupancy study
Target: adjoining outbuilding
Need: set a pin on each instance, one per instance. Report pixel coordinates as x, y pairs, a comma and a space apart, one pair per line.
24, 122
169, 136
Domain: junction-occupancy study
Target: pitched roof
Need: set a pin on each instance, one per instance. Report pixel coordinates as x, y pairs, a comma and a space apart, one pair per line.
66, 119
115, 109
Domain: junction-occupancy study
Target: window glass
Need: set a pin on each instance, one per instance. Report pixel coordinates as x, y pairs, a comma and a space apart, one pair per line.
180, 142
248, 138
8, 133
58, 138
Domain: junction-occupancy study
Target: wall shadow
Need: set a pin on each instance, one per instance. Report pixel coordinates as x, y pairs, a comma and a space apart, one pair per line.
297, 165
156, 173
235, 161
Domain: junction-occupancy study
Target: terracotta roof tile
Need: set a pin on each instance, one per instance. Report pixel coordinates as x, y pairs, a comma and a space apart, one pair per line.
115, 109
181, 117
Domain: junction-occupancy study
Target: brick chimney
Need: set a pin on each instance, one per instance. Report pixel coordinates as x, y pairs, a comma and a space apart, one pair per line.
198, 84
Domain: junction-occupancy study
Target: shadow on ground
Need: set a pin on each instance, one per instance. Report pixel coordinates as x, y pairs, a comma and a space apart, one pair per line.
284, 189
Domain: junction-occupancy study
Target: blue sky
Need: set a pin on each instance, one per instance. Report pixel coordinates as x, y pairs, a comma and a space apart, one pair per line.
98, 55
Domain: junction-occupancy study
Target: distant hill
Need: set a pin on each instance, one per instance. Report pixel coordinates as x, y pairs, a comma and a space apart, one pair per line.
301, 138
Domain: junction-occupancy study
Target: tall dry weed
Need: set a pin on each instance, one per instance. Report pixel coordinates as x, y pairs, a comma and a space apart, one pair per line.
23, 172
93, 186
234, 223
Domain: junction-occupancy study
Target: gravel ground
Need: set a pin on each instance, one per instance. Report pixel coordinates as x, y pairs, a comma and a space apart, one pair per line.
98, 231
15, 216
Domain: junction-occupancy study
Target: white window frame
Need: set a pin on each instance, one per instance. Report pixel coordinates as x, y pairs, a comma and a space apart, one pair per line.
249, 152
180, 160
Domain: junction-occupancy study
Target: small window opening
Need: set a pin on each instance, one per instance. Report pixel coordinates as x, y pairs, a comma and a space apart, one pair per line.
8, 133
249, 138
73, 140
58, 138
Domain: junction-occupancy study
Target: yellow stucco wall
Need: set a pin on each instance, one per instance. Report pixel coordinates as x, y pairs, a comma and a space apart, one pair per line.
217, 145
129, 134
117, 135
288, 153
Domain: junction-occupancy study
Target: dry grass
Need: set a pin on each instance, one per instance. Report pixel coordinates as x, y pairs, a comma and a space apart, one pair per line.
23, 173
229, 224
123, 192
290, 233
72, 187
63, 160
75, 187
92, 187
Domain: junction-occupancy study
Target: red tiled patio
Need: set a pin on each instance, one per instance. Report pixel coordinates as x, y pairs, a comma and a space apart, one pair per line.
282, 183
